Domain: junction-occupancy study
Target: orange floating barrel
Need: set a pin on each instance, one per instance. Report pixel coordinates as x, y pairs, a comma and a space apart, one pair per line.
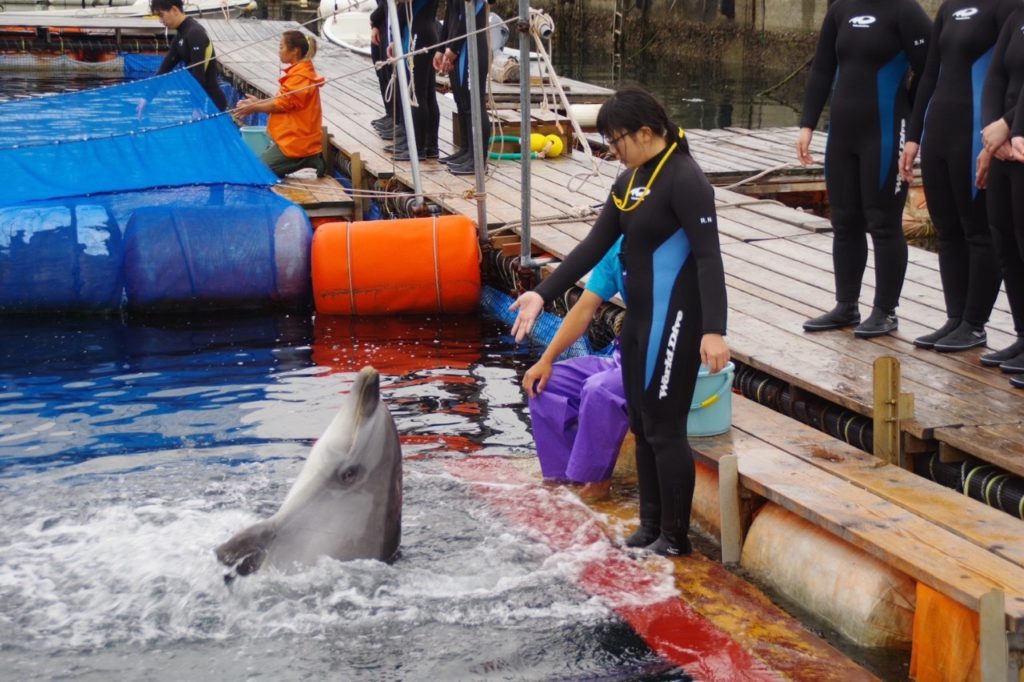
384, 267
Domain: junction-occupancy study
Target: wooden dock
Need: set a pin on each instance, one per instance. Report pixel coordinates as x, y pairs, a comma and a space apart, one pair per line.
778, 260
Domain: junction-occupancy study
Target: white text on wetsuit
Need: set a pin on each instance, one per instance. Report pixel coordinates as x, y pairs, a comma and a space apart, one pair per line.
670, 352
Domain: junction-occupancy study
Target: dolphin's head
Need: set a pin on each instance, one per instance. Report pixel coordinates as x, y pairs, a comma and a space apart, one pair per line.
346, 502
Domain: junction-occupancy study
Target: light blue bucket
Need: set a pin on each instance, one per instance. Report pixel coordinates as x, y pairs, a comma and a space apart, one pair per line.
711, 411
256, 138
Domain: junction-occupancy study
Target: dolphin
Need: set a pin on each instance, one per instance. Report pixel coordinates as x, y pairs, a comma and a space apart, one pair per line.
346, 502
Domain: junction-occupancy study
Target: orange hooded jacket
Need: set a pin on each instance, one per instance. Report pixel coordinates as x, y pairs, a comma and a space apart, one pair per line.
297, 129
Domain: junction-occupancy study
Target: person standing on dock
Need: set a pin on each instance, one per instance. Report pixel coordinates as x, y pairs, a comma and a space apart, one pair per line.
665, 208
453, 59
296, 117
385, 125
862, 56
578, 406
947, 113
1000, 108
191, 47
417, 21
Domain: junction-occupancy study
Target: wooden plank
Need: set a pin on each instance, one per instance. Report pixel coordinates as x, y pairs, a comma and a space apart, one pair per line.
729, 505
999, 444
925, 552
989, 529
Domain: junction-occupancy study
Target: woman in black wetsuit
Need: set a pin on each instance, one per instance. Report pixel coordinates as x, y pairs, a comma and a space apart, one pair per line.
947, 115
1004, 88
864, 48
675, 285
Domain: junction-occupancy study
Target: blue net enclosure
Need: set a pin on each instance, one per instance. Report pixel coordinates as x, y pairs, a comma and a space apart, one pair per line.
144, 195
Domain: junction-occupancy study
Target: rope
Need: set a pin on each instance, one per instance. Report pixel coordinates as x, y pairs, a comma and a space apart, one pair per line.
437, 269
348, 255
769, 171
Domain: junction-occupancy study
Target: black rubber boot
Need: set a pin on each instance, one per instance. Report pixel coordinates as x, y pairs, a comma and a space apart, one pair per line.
928, 340
460, 155
879, 323
1001, 356
1014, 365
964, 337
843, 315
381, 122
647, 533
666, 546
1017, 382
467, 167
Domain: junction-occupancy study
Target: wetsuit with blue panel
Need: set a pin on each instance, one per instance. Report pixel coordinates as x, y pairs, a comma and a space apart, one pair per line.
417, 20
947, 122
1003, 88
580, 418
864, 50
675, 285
455, 30
193, 49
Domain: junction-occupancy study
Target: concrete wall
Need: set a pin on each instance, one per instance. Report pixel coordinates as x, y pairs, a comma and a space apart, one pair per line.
788, 15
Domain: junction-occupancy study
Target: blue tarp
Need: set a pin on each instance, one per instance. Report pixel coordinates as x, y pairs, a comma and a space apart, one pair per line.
99, 141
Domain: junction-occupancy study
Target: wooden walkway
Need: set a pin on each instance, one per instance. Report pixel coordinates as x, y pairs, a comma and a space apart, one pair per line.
778, 260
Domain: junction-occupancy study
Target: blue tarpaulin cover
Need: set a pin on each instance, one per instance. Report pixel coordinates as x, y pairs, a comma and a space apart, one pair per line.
101, 140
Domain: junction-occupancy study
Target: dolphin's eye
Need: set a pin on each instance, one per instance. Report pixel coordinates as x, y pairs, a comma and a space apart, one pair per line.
347, 475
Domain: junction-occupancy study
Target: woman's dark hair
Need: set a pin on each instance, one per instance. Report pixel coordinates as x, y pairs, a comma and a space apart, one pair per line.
632, 108
297, 40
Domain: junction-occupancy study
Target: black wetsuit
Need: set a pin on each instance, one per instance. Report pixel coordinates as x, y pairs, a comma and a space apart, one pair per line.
675, 286
192, 47
426, 115
865, 48
1004, 86
378, 53
455, 30
947, 118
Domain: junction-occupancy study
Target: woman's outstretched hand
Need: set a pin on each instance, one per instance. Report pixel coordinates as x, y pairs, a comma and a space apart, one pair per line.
714, 352
529, 307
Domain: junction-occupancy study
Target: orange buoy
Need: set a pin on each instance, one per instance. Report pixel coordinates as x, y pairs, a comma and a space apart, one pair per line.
383, 267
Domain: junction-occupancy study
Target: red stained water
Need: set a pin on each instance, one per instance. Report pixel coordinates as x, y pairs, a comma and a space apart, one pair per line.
635, 592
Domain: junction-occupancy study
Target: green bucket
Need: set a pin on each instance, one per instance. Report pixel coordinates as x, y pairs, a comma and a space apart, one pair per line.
711, 411
256, 138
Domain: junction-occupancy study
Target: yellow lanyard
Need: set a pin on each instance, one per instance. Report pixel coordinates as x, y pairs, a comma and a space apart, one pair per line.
623, 203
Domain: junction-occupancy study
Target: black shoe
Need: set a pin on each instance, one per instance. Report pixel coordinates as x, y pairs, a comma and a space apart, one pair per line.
395, 133
667, 547
382, 122
1014, 365
431, 152
879, 323
464, 168
1001, 356
459, 156
644, 535
1017, 382
928, 340
963, 337
403, 154
843, 315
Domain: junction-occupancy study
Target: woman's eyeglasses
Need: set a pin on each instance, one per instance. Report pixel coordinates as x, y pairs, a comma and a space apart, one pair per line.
613, 141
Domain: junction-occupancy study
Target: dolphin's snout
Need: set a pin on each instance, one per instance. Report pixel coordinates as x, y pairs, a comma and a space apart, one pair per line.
246, 551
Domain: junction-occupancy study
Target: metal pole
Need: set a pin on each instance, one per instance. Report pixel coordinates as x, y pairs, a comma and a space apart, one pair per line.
525, 259
403, 89
478, 139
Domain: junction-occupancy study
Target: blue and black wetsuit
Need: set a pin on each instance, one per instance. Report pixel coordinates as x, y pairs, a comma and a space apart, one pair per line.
864, 50
192, 47
675, 286
455, 30
1004, 86
947, 121
420, 34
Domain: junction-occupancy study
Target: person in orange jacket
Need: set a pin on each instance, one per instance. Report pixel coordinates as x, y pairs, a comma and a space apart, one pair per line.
295, 114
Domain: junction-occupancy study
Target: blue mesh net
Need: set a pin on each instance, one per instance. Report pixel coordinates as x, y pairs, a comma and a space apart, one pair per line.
102, 140
496, 303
